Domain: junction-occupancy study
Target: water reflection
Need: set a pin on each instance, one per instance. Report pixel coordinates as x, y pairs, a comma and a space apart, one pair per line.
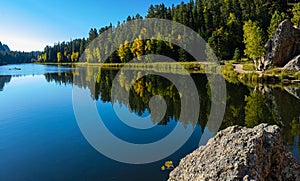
246, 106
140, 93
4, 79
17, 70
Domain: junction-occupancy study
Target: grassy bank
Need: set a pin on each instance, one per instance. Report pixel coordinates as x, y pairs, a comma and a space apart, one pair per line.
171, 67
250, 76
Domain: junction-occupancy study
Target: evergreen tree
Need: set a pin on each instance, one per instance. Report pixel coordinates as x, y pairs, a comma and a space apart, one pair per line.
218, 21
237, 55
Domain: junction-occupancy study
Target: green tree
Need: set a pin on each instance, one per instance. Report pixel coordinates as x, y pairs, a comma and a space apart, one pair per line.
253, 39
219, 20
296, 14
237, 54
234, 38
257, 110
219, 42
277, 18
182, 57
92, 34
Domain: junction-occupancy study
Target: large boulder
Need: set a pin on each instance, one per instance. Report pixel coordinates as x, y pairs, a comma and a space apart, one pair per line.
239, 153
282, 47
294, 64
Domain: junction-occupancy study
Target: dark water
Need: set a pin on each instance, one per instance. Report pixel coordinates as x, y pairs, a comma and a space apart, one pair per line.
40, 138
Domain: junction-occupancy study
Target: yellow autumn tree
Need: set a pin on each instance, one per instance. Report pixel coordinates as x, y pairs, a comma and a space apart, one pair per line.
122, 50
89, 55
96, 53
58, 56
137, 47
74, 56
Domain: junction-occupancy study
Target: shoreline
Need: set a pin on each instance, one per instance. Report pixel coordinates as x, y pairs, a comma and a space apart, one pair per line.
232, 71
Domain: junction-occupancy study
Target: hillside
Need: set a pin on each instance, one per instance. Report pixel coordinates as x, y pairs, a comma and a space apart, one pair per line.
4, 47
14, 57
220, 23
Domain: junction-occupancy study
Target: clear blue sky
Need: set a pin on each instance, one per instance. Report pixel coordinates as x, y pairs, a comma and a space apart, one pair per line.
32, 24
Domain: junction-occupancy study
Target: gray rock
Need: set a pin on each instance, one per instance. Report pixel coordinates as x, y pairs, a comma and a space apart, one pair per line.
294, 64
282, 47
295, 91
239, 153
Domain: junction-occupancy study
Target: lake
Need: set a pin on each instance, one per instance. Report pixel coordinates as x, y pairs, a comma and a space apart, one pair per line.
41, 137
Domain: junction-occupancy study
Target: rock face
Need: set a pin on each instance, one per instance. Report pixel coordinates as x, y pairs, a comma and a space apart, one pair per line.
239, 153
282, 47
294, 64
4, 47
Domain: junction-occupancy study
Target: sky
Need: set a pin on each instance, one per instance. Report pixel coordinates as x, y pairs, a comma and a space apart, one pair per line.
30, 25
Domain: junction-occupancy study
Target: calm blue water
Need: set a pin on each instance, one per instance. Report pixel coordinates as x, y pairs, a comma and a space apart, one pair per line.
40, 138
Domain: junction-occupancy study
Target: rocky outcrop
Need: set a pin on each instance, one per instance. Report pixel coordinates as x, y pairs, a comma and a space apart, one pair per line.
239, 153
294, 64
282, 47
4, 47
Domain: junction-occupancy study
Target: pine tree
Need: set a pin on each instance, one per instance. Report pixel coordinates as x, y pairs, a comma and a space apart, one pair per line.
237, 55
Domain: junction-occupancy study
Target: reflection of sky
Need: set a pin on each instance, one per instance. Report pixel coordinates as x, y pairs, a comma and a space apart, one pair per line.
40, 137
17, 98
207, 134
295, 150
30, 69
121, 129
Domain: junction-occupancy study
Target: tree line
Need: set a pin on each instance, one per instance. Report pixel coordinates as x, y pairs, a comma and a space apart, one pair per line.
11, 57
16, 57
233, 28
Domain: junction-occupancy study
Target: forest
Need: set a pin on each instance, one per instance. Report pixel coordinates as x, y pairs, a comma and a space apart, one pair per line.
14, 57
232, 28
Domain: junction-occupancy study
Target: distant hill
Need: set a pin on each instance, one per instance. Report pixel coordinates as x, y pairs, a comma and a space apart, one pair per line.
4, 47
13, 57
